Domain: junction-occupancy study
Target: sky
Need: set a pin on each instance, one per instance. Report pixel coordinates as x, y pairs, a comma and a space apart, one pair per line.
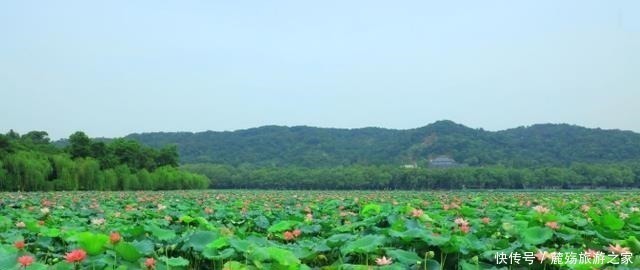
110, 68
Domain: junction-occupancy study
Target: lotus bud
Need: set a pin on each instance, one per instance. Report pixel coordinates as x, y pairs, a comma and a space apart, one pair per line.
431, 254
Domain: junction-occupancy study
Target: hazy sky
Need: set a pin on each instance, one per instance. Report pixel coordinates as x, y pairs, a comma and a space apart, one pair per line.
111, 68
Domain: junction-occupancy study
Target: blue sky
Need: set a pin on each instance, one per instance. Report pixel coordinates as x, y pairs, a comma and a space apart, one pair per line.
115, 67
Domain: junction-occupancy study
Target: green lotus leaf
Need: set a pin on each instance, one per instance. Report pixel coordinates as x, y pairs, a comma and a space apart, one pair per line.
283, 225
283, 257
93, 244
612, 222
127, 251
371, 210
366, 244
175, 261
536, 235
161, 234
403, 256
199, 240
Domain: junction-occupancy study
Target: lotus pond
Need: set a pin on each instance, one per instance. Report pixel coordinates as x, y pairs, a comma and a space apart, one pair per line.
233, 229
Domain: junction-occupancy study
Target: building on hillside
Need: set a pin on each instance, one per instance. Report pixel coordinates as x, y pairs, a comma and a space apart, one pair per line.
410, 166
443, 162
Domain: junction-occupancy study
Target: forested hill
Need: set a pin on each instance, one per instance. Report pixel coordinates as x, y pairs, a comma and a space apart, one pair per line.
542, 144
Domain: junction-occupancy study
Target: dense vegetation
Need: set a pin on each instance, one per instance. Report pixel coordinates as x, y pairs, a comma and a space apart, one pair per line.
31, 162
537, 145
396, 177
329, 230
540, 156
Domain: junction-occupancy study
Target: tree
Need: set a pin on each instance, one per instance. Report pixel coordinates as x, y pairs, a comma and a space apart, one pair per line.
88, 174
13, 135
37, 137
3, 178
133, 154
80, 145
27, 171
65, 172
5, 144
32, 163
168, 156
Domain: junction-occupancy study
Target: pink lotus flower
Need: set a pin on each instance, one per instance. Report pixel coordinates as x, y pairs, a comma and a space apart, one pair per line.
553, 225
416, 213
486, 220
25, 261
288, 236
76, 256
618, 249
114, 237
384, 261
541, 209
19, 244
461, 222
150, 263
590, 253
296, 233
465, 228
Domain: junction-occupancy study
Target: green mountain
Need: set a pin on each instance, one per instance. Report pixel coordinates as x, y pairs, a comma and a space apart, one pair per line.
537, 145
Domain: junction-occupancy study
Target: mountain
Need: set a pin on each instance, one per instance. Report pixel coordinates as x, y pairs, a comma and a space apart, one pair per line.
536, 145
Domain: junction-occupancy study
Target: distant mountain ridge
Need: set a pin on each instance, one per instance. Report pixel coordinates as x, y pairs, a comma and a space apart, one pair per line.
536, 145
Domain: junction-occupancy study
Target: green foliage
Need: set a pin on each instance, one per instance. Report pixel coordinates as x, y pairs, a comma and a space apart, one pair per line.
31, 163
127, 251
612, 222
200, 239
161, 234
540, 156
371, 209
363, 245
80, 145
178, 261
282, 225
536, 235
301, 146
283, 257
183, 235
92, 243
622, 175
405, 257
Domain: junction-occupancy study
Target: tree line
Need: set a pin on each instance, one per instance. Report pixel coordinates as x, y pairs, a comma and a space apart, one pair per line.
524, 147
576, 176
30, 162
